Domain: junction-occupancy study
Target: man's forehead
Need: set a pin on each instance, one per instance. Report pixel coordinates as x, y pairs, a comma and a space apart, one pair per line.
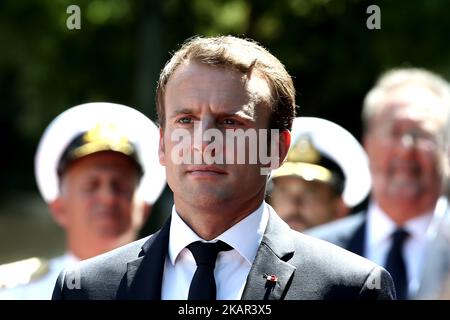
296, 184
107, 161
259, 88
414, 102
238, 94
398, 111
193, 68
256, 84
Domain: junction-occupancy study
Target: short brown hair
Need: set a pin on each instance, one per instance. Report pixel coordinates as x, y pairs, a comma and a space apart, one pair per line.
244, 55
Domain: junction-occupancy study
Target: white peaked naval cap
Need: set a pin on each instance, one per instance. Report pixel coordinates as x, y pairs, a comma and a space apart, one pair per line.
338, 146
131, 126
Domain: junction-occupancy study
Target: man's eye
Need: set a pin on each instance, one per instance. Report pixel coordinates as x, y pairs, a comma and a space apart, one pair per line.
124, 187
89, 187
230, 122
185, 120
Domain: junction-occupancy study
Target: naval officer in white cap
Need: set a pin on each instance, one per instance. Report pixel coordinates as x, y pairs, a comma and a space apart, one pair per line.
325, 175
97, 168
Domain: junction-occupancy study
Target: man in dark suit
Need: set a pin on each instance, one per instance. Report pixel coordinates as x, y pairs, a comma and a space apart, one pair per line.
222, 240
405, 117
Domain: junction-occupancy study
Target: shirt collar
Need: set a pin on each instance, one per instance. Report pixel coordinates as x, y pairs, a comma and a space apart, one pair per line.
380, 226
64, 261
245, 236
70, 258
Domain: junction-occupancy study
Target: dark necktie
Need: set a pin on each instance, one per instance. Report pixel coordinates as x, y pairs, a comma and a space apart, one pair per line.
203, 285
395, 263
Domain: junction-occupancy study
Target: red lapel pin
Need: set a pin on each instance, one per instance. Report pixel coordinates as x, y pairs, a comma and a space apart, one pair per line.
271, 277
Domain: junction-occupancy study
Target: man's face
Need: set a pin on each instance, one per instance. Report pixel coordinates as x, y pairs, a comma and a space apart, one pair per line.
97, 197
405, 148
199, 98
305, 204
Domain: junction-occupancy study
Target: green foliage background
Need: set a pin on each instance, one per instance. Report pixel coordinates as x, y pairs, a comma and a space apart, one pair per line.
122, 45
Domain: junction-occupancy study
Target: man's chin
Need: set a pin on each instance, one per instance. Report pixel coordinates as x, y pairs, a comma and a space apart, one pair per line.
209, 198
108, 231
408, 203
409, 193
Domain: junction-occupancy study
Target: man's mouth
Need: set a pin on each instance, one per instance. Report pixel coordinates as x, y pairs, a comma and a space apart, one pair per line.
205, 170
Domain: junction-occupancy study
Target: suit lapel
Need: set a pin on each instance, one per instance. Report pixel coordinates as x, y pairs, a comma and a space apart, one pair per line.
144, 275
436, 257
271, 259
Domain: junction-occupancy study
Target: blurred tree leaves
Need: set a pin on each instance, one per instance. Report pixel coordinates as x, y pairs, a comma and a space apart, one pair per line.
122, 45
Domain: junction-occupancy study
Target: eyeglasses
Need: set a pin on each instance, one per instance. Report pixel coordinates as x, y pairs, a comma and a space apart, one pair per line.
416, 137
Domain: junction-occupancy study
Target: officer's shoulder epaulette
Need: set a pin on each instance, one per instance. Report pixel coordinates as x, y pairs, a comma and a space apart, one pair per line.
22, 272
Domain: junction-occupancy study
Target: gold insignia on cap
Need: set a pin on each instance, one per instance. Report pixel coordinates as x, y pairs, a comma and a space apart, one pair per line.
306, 171
303, 151
22, 272
104, 137
303, 161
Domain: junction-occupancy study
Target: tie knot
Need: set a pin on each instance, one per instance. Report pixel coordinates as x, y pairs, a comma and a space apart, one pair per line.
205, 253
399, 236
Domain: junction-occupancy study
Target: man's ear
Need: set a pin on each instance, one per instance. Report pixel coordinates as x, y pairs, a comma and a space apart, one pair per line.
58, 211
366, 140
147, 211
285, 143
161, 152
141, 212
342, 209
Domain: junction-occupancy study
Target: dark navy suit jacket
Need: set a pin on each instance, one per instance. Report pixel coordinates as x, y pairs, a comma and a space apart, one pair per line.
307, 268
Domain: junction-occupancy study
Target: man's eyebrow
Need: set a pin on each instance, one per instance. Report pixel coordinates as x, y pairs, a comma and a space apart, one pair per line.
181, 111
245, 113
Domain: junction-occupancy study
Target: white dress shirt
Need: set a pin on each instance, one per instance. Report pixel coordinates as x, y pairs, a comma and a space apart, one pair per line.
232, 267
378, 241
42, 288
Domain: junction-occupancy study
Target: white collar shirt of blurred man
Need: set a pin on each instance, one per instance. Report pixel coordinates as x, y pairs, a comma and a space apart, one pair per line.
379, 229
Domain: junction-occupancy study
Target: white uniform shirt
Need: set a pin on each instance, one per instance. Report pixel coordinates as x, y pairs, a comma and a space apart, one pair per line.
42, 288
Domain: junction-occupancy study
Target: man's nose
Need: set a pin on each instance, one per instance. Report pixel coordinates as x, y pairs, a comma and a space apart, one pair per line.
406, 147
200, 127
108, 194
407, 140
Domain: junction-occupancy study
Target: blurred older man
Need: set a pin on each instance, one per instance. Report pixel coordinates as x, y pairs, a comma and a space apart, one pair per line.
405, 117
